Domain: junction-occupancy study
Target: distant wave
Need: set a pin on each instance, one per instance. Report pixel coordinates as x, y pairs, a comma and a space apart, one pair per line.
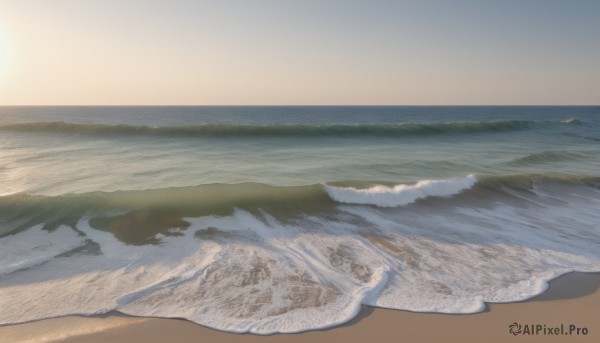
589, 138
546, 157
404, 129
573, 121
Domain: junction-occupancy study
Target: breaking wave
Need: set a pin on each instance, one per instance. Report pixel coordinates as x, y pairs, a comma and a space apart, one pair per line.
264, 259
400, 194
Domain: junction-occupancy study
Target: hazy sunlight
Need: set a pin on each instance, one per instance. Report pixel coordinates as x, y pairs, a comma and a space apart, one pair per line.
4, 55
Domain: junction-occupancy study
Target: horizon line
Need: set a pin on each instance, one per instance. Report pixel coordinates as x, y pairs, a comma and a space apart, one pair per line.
310, 105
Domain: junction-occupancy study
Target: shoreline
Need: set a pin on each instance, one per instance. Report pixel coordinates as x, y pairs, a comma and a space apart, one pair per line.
570, 299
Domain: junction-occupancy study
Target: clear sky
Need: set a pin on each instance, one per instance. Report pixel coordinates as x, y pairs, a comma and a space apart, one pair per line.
300, 52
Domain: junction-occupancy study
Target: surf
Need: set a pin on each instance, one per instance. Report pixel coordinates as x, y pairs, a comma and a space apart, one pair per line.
250, 270
136, 215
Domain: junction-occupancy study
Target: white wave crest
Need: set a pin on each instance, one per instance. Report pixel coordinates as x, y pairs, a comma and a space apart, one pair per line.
400, 195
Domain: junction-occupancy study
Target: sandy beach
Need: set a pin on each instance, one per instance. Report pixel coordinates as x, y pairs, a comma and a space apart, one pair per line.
572, 301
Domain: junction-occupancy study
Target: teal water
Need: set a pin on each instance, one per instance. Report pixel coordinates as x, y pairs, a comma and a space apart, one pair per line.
284, 219
75, 150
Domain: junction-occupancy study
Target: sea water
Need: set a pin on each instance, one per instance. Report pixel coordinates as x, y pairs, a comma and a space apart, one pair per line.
286, 219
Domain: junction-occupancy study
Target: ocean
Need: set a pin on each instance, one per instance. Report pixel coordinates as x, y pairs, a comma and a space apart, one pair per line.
269, 219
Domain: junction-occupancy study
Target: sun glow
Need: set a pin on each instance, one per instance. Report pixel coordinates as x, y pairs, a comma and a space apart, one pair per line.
5, 55
2, 49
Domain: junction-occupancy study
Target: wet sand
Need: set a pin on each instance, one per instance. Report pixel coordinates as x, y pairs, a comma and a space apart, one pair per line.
572, 299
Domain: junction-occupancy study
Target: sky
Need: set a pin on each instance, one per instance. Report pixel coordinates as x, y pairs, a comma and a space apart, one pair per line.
304, 52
